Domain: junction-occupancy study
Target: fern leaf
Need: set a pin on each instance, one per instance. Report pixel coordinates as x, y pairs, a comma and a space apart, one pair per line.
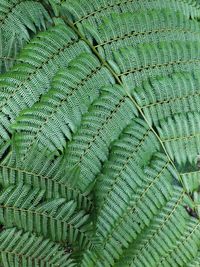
130, 29
25, 83
73, 90
106, 99
25, 208
8, 52
195, 262
160, 237
122, 172
102, 124
191, 180
165, 97
119, 224
181, 136
135, 65
28, 250
89, 11
186, 247
15, 27
46, 173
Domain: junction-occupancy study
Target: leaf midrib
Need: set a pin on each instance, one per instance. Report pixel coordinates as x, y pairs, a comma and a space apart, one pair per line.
119, 81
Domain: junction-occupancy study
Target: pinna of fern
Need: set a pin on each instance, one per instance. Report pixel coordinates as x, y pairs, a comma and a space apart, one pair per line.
17, 29
31, 250
26, 208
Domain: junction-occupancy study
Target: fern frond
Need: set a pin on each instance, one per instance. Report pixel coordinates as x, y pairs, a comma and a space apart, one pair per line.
122, 172
12, 21
17, 19
93, 11
186, 247
119, 223
29, 250
103, 123
191, 180
105, 99
134, 65
73, 90
196, 261
26, 209
160, 236
164, 97
9, 52
46, 173
181, 136
25, 83
130, 29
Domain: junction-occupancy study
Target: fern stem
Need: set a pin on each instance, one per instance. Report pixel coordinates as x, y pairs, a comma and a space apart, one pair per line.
82, 37
118, 81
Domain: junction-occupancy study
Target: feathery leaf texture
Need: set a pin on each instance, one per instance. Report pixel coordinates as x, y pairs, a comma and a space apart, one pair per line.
115, 222
47, 173
122, 172
17, 19
26, 82
135, 65
25, 208
90, 145
73, 90
20, 248
99, 133
186, 247
128, 29
181, 136
166, 97
89, 11
191, 180
160, 236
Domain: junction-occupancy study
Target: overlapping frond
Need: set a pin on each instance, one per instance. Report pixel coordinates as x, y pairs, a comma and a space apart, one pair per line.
185, 249
26, 82
181, 137
121, 174
105, 99
164, 97
125, 215
89, 11
134, 65
46, 173
72, 91
100, 126
17, 19
160, 236
191, 180
130, 29
20, 248
25, 208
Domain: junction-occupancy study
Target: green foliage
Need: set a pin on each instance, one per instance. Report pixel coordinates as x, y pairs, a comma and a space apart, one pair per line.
168, 226
25, 249
135, 65
185, 131
99, 133
73, 90
121, 30
96, 133
46, 173
93, 11
18, 21
26, 209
